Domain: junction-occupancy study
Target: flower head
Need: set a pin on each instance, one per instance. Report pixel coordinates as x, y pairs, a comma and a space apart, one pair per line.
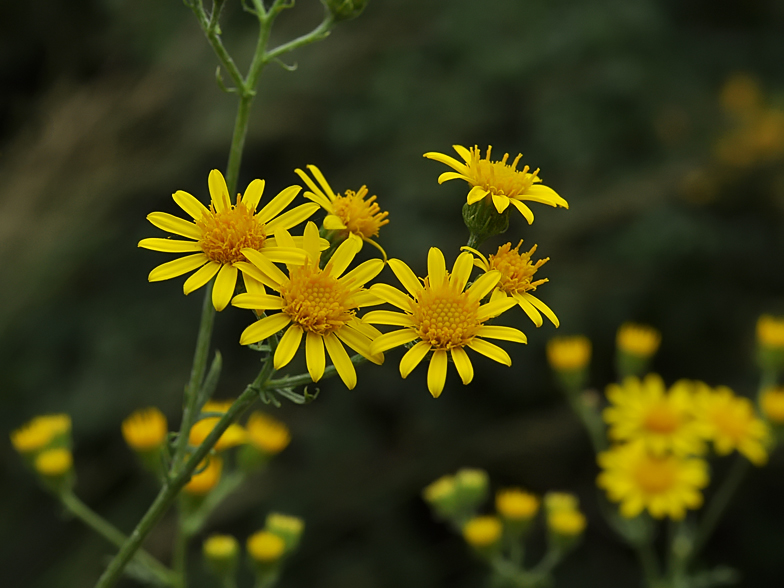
483, 532
498, 181
515, 504
568, 353
665, 485
234, 435
660, 419
220, 233
319, 304
40, 432
638, 340
443, 317
207, 476
772, 404
145, 429
287, 527
731, 423
770, 331
221, 553
266, 433
265, 547
517, 273
54, 463
352, 212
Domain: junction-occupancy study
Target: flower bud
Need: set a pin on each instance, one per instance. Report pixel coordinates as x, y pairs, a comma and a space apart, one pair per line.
635, 346
471, 487
265, 550
771, 403
55, 467
145, 431
266, 437
441, 495
569, 357
483, 534
517, 509
484, 221
345, 9
565, 522
287, 527
770, 343
42, 432
220, 555
206, 477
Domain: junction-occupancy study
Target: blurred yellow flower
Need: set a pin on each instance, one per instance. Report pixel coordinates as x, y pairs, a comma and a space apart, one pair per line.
318, 303
568, 353
772, 404
219, 235
665, 485
54, 462
441, 489
482, 532
638, 340
443, 316
566, 522
266, 433
145, 429
265, 547
662, 420
234, 435
501, 183
220, 547
516, 505
287, 527
731, 423
40, 431
207, 477
770, 331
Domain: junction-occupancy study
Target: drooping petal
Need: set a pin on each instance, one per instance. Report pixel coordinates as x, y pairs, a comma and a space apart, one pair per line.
463, 364
224, 287
391, 340
490, 350
275, 206
190, 204
446, 159
332, 222
177, 267
363, 273
544, 195
252, 194
200, 277
480, 261
524, 210
543, 307
287, 346
388, 317
258, 301
495, 308
314, 355
529, 309
476, 194
293, 217
359, 343
219, 191
267, 268
500, 202
503, 333
341, 360
436, 267
484, 284
436, 372
173, 224
406, 276
461, 271
263, 328
413, 357
446, 176
169, 245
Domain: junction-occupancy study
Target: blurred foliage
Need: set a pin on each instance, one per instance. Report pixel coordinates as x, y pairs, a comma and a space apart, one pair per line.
108, 106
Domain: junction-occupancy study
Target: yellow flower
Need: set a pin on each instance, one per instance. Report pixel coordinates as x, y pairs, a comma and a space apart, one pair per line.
265, 547
665, 485
145, 429
772, 404
219, 235
638, 340
482, 532
318, 303
568, 353
54, 462
220, 547
40, 431
517, 272
558, 501
234, 435
662, 420
770, 331
516, 505
501, 183
568, 523
442, 489
287, 527
207, 477
442, 317
266, 433
352, 213
731, 423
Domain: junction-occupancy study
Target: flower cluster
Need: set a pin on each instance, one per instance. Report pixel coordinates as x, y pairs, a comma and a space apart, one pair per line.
45, 444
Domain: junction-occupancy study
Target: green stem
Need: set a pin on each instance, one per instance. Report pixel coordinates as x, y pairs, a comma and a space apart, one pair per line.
648, 563
320, 32
112, 534
238, 142
180, 555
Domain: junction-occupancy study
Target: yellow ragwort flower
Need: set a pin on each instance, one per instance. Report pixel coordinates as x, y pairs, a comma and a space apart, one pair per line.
515, 504
568, 353
443, 317
54, 462
265, 547
498, 181
318, 303
145, 429
482, 532
770, 331
731, 423
266, 433
772, 404
665, 485
352, 213
517, 272
662, 420
558, 501
220, 547
221, 233
638, 340
234, 435
568, 523
207, 477
40, 431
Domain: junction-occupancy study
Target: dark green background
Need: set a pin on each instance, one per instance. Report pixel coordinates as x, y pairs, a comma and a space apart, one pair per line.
107, 107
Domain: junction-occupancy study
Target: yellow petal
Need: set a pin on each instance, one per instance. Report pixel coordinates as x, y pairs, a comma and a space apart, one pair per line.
462, 152
267, 268
365, 298
177, 267
544, 195
476, 194
258, 301
413, 357
314, 356
287, 255
320, 196
332, 222
200, 277
543, 307
487, 349
463, 365
480, 261
173, 224
341, 360
252, 285
287, 346
391, 295
248, 269
503, 333
224, 287
263, 328
500, 202
406, 276
310, 242
219, 192
359, 343
169, 245
461, 271
283, 238
275, 206
524, 210
446, 159
253, 194
388, 317
436, 373
293, 217
391, 340
436, 267
495, 308
190, 204
343, 256
320, 199
529, 309
484, 284
446, 176
363, 273
322, 180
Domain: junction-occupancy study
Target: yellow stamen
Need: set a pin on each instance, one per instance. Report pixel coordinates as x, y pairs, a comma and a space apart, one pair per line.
516, 268
361, 217
499, 177
656, 475
226, 233
662, 419
316, 301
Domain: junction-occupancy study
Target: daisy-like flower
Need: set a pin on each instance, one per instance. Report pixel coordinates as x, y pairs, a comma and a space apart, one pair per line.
498, 181
517, 273
350, 213
731, 423
219, 234
661, 420
665, 485
320, 304
442, 316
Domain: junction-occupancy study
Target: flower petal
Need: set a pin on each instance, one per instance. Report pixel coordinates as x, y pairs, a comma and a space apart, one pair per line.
248, 269
293, 217
287, 255
543, 307
413, 357
524, 210
322, 180
253, 194
314, 355
190, 204
219, 191
287, 346
258, 301
490, 350
436, 373
461, 271
311, 242
528, 308
174, 224
446, 176
463, 364
275, 206
484, 284
365, 298
544, 195
500, 202
476, 194
406, 276
224, 287
446, 159
343, 256
341, 360
317, 192
169, 245
359, 343
388, 317
503, 333
264, 327
436, 267
495, 308
268, 268
332, 222
200, 277
363, 273
462, 152
391, 295
391, 340
252, 285
177, 267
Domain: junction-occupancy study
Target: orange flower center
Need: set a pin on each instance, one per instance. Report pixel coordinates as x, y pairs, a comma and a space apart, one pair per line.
655, 475
662, 419
226, 233
446, 318
516, 268
361, 217
316, 301
499, 178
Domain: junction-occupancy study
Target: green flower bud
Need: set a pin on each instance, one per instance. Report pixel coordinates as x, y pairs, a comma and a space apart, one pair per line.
484, 221
345, 9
